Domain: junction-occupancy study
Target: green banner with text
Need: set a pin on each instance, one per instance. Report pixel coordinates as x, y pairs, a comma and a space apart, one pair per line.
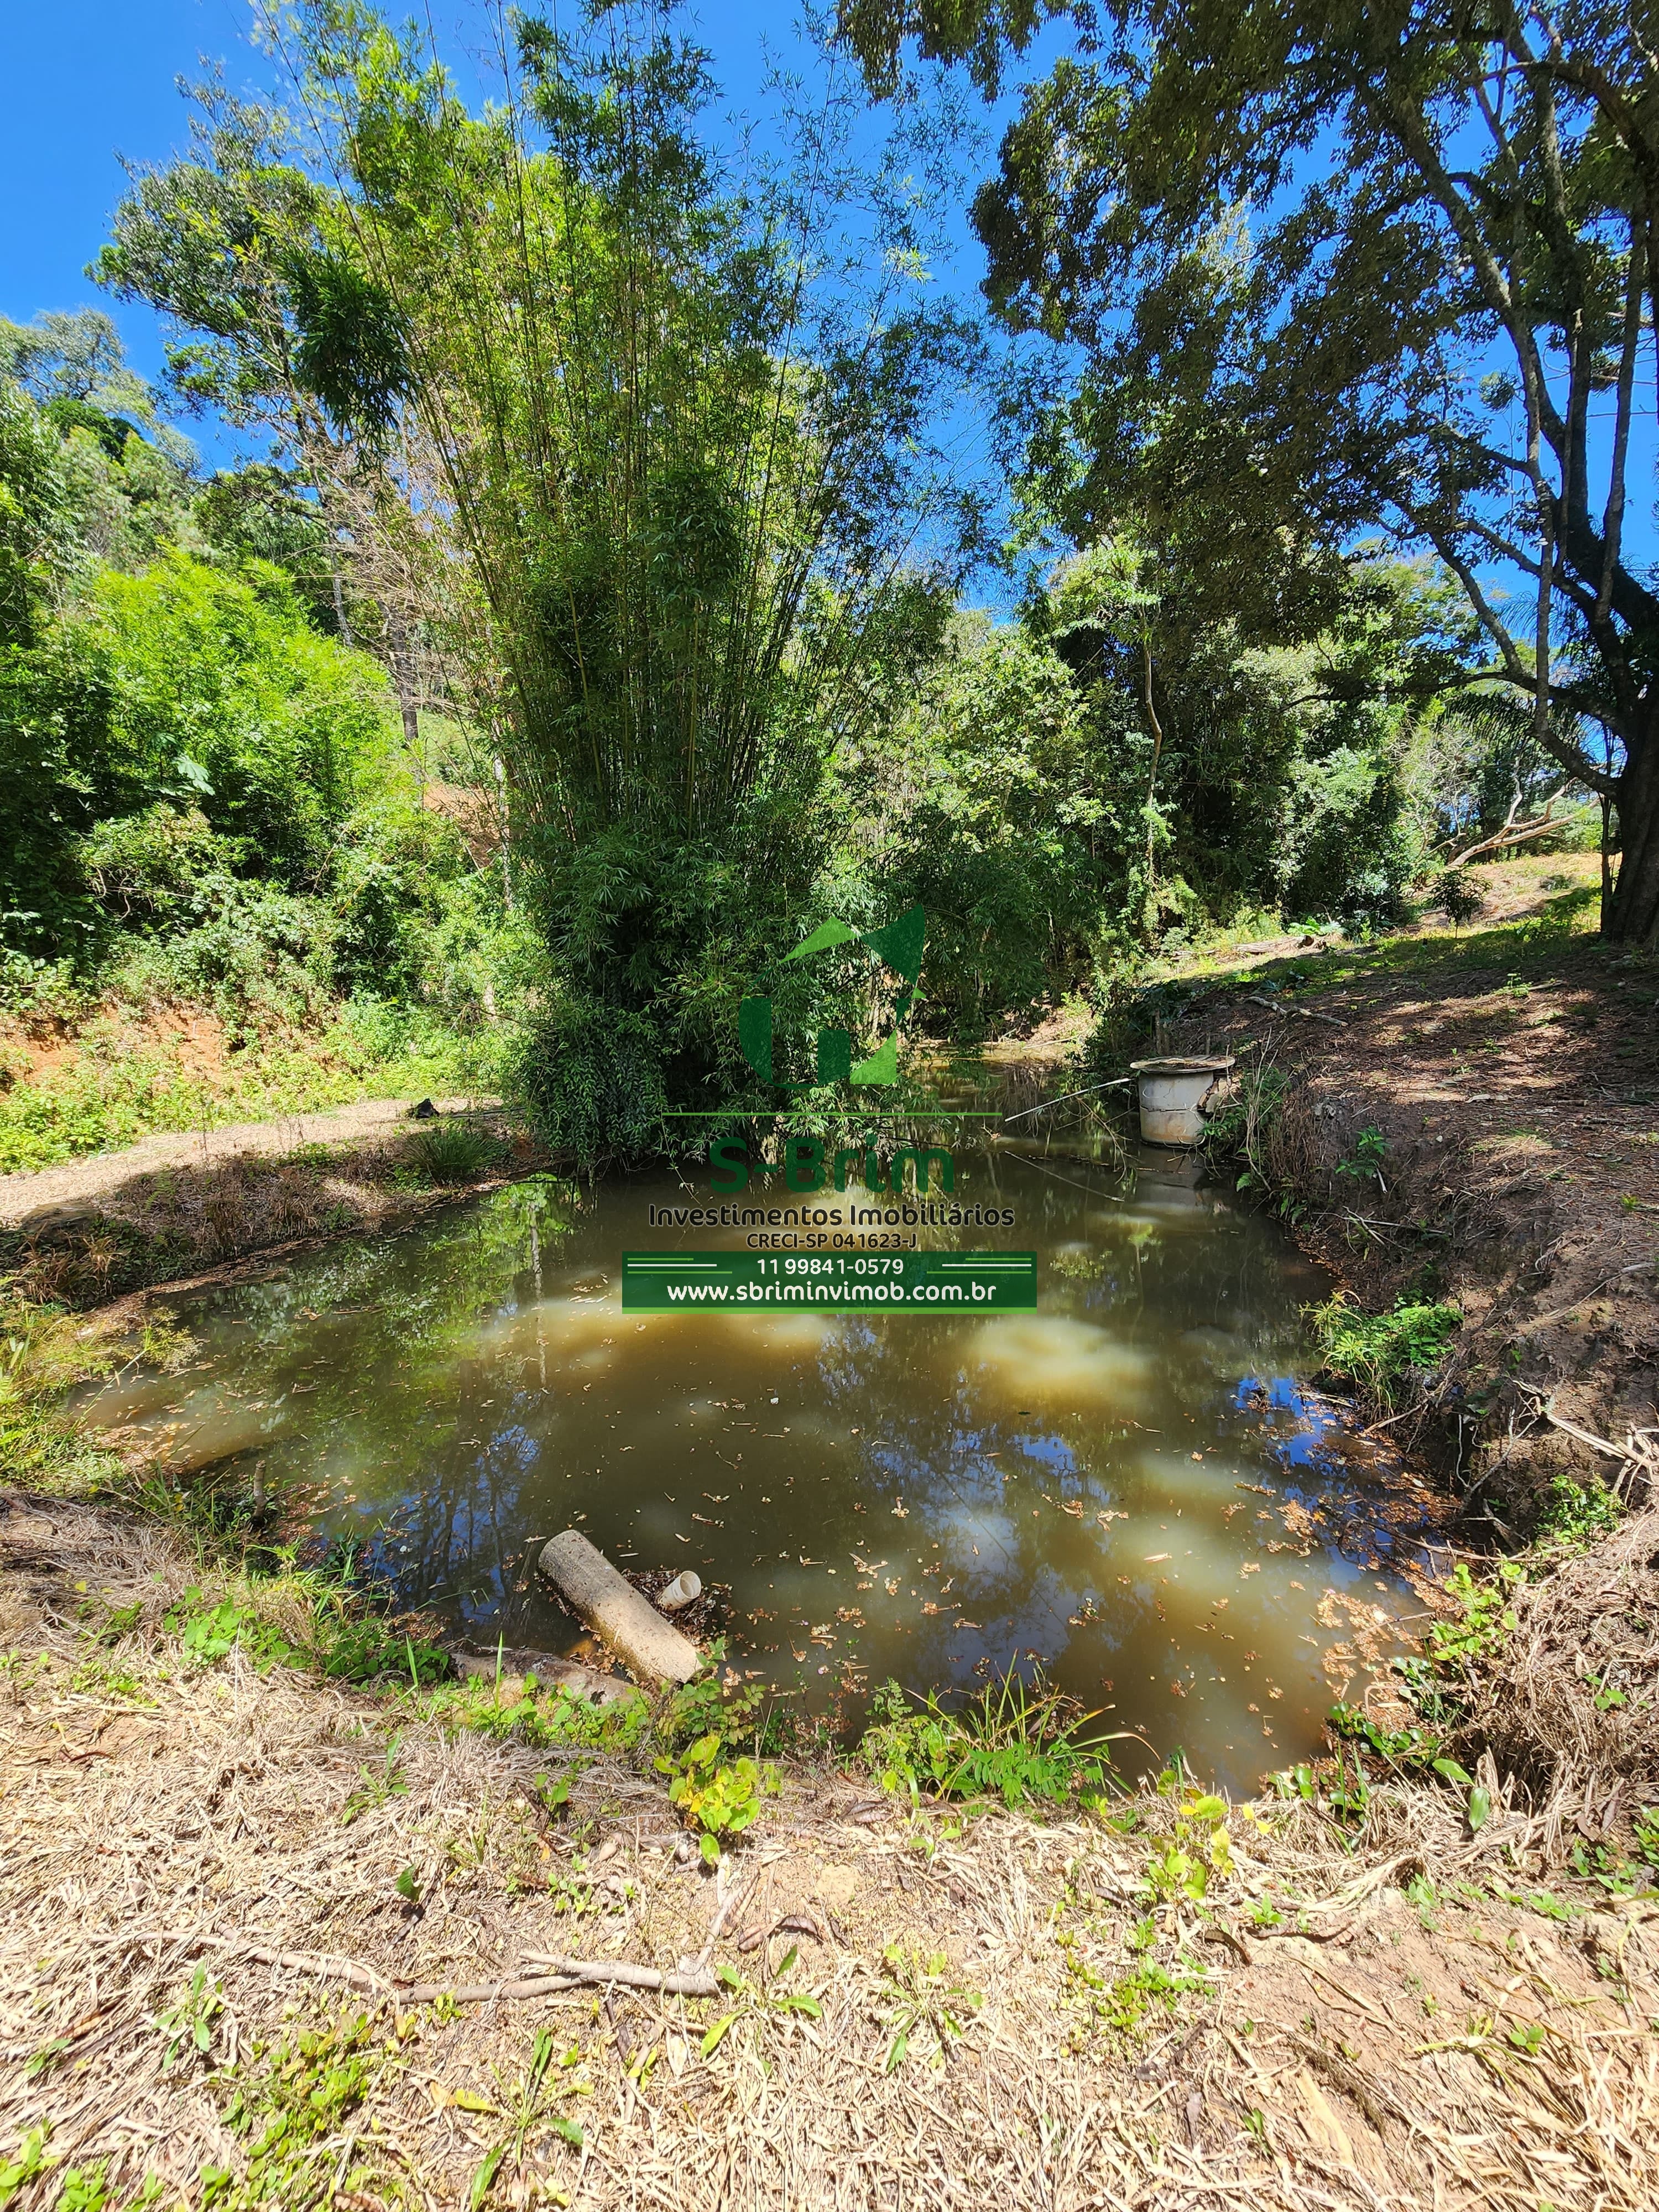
834, 1282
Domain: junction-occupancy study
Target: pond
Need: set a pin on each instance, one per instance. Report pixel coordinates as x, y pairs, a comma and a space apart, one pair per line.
1133, 1487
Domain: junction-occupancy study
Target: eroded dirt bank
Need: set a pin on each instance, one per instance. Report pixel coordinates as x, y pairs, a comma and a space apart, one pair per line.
1517, 1175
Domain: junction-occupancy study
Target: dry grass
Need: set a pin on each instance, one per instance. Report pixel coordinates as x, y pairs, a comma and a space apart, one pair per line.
1100, 2047
160, 1225
1569, 1703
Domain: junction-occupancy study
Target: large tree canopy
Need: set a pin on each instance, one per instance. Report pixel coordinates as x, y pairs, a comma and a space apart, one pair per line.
1337, 268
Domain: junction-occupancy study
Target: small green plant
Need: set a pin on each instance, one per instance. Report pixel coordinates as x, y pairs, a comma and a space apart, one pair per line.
1026, 1744
778, 2003
294, 2095
1348, 1792
1421, 1892
1485, 1619
1644, 1835
719, 1797
1128, 2000
1577, 1515
29, 2164
209, 1632
84, 2189
578, 1893
454, 1152
1378, 1350
1238, 1135
1200, 1852
1371, 1149
119, 1621
553, 1797
524, 2107
557, 1720
1407, 1746
375, 1789
921, 2007
713, 1702
1606, 1695
1606, 1865
187, 2023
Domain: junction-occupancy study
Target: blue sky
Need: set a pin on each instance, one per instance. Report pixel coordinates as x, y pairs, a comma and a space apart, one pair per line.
86, 82
83, 82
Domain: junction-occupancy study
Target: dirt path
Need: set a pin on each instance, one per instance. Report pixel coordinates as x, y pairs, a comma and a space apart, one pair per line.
41, 1196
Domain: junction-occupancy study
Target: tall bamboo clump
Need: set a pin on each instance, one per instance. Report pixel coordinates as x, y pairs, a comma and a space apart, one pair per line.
687, 464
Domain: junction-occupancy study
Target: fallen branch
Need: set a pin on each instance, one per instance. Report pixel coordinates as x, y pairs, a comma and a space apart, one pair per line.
314, 1962
692, 1981
528, 1985
1640, 1448
304, 1962
1302, 1013
1117, 1083
685, 1981
1511, 834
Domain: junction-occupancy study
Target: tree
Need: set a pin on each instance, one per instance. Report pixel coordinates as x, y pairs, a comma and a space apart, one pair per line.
229, 243
1337, 268
681, 433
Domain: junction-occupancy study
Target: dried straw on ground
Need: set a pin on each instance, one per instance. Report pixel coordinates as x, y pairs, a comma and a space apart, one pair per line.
1569, 1703
1443, 2051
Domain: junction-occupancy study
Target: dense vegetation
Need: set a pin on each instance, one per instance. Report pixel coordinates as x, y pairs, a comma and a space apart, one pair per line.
594, 614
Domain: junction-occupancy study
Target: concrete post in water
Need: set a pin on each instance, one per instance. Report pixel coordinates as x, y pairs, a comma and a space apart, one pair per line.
653, 1650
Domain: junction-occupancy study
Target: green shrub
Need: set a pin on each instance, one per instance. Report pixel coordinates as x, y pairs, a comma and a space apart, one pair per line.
590, 1080
394, 871
1575, 1514
1485, 1619
1459, 897
720, 1798
1378, 1350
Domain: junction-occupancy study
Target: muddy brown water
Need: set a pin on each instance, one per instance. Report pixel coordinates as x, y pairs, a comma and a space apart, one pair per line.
1134, 1488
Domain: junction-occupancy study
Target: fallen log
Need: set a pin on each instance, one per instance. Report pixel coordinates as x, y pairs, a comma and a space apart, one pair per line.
653, 1651
512, 1666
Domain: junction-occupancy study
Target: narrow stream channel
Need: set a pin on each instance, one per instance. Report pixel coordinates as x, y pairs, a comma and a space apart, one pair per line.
1132, 1487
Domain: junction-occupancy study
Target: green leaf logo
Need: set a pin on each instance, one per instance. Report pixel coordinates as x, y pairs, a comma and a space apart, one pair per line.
898, 945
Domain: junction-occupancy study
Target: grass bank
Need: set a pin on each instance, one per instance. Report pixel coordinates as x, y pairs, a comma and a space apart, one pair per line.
80, 1080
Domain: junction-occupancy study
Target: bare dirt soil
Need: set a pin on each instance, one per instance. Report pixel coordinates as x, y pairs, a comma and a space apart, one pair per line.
1512, 1076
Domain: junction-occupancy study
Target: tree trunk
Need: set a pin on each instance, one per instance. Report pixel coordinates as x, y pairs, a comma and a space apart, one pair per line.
1633, 915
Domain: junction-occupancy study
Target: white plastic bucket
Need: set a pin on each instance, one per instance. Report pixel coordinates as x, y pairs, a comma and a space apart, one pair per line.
1173, 1096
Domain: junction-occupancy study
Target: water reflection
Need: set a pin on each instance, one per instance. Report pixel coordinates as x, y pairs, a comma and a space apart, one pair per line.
1130, 1486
